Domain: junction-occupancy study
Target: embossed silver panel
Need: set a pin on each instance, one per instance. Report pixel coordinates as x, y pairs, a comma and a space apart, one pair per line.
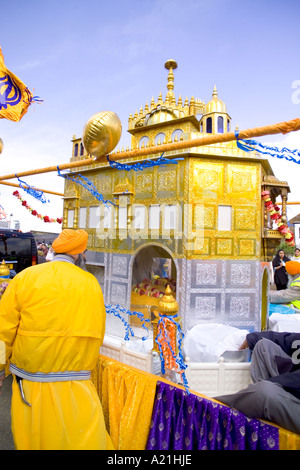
224, 291
120, 266
218, 291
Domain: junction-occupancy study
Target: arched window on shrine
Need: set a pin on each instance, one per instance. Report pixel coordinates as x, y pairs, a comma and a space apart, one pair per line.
176, 135
81, 149
220, 125
160, 138
144, 141
209, 125
76, 150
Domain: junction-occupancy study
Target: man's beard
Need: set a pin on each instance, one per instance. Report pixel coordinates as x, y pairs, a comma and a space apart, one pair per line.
80, 262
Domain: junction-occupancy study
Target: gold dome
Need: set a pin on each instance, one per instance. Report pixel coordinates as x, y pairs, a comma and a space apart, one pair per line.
215, 105
167, 304
162, 114
4, 270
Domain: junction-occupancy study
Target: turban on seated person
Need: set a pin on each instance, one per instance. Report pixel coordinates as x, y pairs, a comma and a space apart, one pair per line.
71, 242
292, 294
292, 267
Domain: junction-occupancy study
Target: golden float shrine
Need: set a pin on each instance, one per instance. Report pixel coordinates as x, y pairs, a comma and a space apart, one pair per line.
198, 224
182, 243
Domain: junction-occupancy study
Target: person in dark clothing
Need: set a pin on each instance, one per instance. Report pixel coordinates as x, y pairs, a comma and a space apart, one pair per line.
274, 394
280, 275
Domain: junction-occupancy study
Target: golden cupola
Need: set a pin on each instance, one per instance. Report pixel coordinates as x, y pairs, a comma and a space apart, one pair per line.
162, 112
215, 105
215, 119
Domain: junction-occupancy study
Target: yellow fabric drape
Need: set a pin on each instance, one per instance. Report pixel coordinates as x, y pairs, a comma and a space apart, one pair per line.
127, 395
288, 440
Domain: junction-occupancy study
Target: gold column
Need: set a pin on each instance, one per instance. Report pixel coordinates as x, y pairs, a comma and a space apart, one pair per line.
284, 201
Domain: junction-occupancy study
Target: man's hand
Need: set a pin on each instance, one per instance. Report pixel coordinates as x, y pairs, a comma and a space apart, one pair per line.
244, 345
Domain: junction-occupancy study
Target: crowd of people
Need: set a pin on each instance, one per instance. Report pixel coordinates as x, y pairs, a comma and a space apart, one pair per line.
45, 252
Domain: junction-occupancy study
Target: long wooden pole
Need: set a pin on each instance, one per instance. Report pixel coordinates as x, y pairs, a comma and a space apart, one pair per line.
289, 203
38, 189
279, 128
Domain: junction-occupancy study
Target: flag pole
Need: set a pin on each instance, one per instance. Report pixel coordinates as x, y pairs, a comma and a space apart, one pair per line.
279, 128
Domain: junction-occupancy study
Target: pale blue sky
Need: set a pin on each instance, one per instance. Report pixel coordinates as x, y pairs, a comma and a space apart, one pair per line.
85, 57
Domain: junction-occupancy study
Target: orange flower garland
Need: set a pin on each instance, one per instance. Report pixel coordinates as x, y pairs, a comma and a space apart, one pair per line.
167, 341
275, 215
45, 218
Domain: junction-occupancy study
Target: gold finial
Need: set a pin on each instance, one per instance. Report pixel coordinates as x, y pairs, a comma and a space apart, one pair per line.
170, 65
215, 93
167, 304
4, 270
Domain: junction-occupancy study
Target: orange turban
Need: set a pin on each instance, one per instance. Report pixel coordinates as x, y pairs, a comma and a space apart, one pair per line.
70, 241
292, 267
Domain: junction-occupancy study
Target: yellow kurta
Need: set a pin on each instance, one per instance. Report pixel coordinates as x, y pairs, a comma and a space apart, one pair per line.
52, 319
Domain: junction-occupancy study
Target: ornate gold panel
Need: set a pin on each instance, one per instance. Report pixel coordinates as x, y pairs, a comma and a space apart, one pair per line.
241, 181
204, 216
207, 179
167, 180
71, 189
201, 246
244, 218
247, 247
104, 184
144, 183
224, 246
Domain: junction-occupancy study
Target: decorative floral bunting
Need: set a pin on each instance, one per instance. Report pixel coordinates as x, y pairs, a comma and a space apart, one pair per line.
166, 341
165, 338
45, 218
275, 215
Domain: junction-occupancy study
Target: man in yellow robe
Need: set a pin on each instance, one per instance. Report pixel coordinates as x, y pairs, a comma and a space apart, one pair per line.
52, 323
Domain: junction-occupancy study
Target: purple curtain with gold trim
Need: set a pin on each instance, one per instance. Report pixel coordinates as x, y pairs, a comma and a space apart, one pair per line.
182, 421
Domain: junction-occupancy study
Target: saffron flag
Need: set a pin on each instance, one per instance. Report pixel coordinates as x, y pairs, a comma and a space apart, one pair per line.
14, 95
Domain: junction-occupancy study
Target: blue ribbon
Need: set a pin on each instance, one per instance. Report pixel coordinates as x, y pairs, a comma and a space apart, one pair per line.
141, 166
87, 184
178, 359
119, 311
38, 194
253, 146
